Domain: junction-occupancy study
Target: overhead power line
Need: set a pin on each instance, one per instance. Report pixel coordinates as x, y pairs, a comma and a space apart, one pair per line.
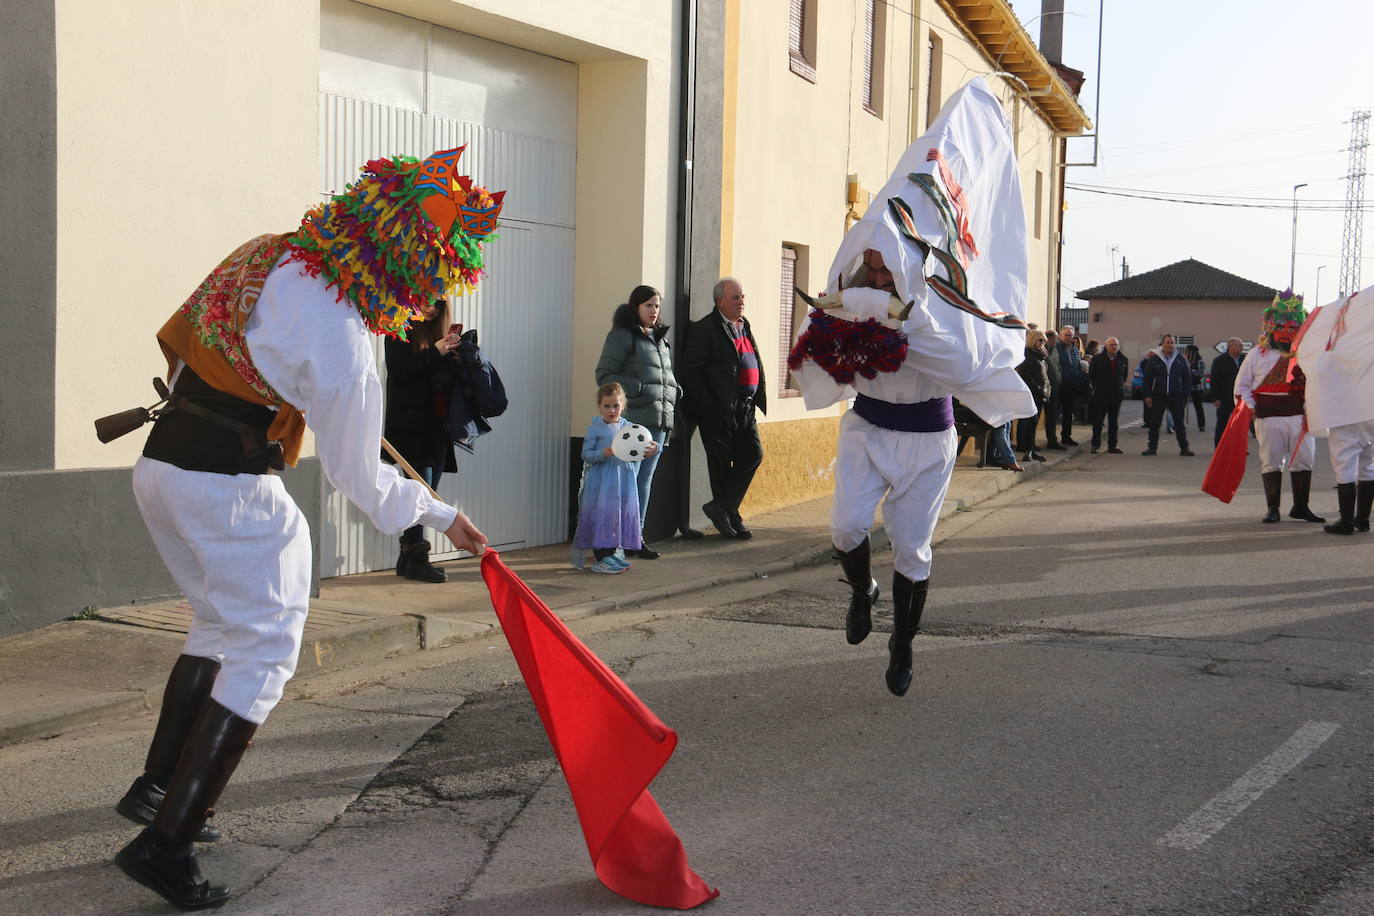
1164, 198
1251, 198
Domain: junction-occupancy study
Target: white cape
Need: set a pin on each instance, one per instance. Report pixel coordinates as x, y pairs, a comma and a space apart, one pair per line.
973, 359
1340, 380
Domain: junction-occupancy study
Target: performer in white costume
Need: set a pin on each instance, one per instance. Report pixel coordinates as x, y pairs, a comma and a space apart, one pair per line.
277, 339
1272, 387
901, 344
1335, 349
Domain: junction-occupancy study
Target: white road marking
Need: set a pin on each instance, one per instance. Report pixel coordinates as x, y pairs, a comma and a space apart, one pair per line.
1202, 824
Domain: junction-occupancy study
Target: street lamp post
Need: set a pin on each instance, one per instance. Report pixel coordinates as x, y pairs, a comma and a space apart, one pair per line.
1293, 258
1317, 298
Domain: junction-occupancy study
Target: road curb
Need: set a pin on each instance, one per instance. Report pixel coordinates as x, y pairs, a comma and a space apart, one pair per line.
997, 481
332, 649
53, 721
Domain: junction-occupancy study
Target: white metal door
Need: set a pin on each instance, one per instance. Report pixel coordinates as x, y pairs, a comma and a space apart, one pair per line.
394, 85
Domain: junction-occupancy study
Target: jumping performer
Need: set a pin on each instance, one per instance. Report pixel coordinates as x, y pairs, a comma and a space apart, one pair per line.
877, 335
274, 340
1335, 349
1275, 394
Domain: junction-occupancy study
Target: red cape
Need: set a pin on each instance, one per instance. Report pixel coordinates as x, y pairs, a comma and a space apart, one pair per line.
1227, 467
609, 744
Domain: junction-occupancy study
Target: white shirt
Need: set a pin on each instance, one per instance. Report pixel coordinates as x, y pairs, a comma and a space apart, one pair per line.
316, 352
1252, 372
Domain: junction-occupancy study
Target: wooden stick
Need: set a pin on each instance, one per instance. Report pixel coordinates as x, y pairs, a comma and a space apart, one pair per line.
410, 471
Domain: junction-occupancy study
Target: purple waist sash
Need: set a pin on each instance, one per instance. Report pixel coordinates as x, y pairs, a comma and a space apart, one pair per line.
933, 416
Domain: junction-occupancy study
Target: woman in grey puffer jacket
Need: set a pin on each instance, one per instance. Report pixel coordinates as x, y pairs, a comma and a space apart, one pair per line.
636, 355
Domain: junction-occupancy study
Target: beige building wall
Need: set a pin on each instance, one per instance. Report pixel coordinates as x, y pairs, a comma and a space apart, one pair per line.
185, 129
182, 131
1139, 323
795, 141
626, 183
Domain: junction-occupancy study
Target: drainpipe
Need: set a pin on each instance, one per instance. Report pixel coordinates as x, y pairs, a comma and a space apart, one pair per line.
1063, 149
682, 311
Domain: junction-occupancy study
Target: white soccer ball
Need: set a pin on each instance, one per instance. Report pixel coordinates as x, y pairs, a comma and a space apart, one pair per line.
629, 443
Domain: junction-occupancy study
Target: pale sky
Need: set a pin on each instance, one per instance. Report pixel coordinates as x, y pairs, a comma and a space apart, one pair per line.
1221, 97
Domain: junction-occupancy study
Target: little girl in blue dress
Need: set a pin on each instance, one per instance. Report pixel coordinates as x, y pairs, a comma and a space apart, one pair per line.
608, 518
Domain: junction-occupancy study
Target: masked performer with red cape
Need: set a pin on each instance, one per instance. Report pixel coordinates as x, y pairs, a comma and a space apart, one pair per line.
276, 339
901, 343
1335, 350
1271, 386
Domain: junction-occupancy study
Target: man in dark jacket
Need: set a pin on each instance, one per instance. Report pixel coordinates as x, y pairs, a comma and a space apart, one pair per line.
1107, 372
1071, 381
724, 383
1051, 408
1224, 369
1167, 384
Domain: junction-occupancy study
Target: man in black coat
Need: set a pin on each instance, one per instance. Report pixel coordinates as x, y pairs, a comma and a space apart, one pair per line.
1168, 382
1070, 382
1107, 373
1224, 369
724, 383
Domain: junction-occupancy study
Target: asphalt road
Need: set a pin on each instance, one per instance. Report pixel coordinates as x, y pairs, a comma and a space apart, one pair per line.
1129, 698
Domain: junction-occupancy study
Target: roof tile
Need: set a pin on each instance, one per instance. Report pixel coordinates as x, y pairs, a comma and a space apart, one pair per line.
1188, 279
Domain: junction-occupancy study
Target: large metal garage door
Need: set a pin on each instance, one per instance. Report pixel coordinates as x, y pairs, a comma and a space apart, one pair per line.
390, 84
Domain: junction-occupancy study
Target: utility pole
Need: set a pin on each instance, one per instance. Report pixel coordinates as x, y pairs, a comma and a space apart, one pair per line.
1352, 236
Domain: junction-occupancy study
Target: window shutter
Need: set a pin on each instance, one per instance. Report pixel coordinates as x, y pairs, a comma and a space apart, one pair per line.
786, 300
801, 44
869, 26
930, 79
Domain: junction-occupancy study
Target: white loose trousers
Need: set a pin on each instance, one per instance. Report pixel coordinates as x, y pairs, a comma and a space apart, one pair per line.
1352, 451
912, 470
1277, 437
239, 550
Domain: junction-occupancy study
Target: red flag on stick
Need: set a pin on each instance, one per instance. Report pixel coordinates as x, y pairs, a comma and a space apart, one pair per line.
1227, 467
609, 744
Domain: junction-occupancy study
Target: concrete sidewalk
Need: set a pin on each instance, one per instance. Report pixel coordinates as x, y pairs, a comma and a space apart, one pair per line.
114, 664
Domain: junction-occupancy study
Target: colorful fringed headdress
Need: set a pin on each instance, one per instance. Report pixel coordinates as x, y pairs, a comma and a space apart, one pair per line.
1286, 307
404, 234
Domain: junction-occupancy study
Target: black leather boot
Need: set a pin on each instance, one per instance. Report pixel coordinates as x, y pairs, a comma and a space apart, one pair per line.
1302, 489
1364, 499
164, 865
858, 620
415, 558
645, 552
161, 857
1273, 489
1345, 498
188, 687
908, 601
